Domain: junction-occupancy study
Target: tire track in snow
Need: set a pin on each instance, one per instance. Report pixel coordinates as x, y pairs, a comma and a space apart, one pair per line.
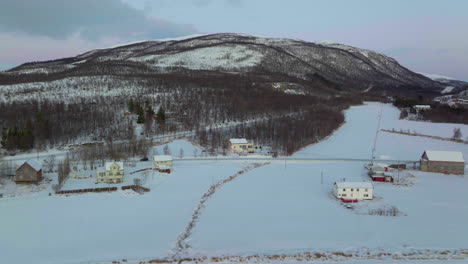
181, 243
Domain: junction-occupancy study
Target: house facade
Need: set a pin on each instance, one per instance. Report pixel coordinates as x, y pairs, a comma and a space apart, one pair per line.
113, 173
241, 145
29, 172
448, 162
354, 191
162, 161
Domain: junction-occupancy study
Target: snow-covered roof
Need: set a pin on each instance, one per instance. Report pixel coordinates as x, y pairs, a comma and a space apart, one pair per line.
238, 141
422, 106
436, 155
367, 185
162, 158
35, 164
109, 164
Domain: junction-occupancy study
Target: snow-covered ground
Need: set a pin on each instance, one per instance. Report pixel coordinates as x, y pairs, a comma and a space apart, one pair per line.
275, 209
285, 207
78, 228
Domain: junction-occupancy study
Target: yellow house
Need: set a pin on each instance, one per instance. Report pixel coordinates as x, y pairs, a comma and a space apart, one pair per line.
162, 160
113, 173
240, 145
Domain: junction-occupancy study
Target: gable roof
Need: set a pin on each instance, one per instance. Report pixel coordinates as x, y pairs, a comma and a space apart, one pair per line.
162, 158
436, 155
35, 164
367, 185
238, 141
108, 165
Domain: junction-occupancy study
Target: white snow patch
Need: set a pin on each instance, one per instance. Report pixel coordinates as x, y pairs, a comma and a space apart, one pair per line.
226, 57
447, 89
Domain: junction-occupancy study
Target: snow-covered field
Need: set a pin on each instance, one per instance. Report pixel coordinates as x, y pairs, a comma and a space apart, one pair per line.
275, 209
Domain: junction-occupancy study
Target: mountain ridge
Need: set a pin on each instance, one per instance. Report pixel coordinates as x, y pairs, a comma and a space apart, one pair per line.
347, 67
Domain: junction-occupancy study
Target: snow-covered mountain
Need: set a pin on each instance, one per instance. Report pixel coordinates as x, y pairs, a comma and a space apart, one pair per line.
327, 66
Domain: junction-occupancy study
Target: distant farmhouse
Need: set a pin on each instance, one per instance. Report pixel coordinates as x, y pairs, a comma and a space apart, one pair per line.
449, 162
29, 172
113, 173
241, 145
162, 163
354, 191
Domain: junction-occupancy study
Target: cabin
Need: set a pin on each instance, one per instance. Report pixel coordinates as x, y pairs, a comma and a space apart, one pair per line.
162, 160
113, 173
29, 172
419, 108
354, 191
448, 162
241, 146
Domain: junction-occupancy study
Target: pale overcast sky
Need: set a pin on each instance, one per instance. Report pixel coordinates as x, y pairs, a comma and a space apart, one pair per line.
425, 36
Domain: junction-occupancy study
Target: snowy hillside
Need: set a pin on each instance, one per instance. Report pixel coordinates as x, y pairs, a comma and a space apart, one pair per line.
331, 65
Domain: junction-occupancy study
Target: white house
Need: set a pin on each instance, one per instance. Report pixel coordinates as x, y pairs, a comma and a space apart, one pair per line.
113, 173
350, 191
162, 160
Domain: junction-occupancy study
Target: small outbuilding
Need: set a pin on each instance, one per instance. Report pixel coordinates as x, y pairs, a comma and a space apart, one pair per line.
422, 107
29, 172
162, 160
241, 145
354, 191
449, 162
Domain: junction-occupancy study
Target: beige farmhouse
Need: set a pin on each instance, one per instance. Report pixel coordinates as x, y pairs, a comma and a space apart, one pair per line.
241, 145
162, 160
29, 172
449, 162
354, 190
113, 173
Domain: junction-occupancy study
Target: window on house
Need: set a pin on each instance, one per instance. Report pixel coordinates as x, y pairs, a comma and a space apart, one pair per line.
344, 195
357, 190
344, 190
365, 190
351, 189
366, 195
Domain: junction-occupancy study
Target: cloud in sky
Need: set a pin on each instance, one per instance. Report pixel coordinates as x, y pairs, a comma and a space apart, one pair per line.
33, 30
60, 19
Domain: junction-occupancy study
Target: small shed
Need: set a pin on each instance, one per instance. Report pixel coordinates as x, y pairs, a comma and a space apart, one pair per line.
351, 191
448, 162
29, 172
